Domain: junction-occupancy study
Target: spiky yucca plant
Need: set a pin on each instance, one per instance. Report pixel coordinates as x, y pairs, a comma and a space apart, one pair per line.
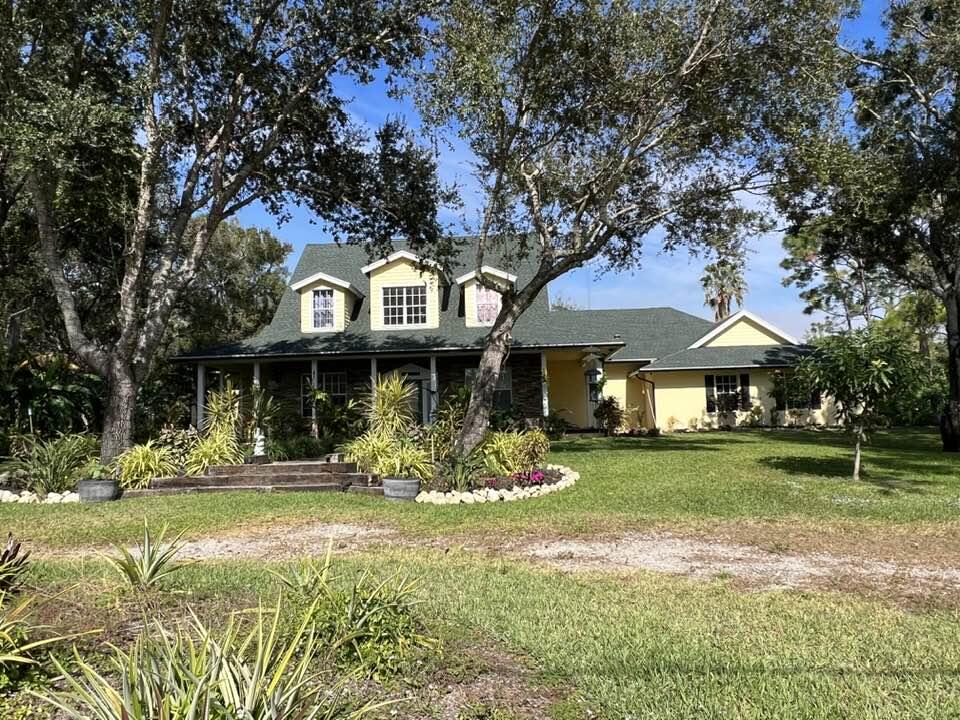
200, 674
152, 562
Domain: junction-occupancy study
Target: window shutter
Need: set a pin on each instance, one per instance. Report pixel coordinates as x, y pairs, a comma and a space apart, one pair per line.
711, 393
815, 401
745, 391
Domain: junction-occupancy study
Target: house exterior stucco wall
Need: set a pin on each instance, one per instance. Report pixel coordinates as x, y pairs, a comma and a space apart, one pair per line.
630, 393
682, 402
567, 389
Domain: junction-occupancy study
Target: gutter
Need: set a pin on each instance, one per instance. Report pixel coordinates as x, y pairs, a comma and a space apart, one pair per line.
355, 354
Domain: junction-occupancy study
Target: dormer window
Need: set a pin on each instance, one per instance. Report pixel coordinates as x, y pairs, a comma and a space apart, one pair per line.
488, 305
405, 306
323, 305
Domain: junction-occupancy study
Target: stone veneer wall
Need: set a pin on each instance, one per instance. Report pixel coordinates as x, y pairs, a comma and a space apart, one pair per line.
525, 369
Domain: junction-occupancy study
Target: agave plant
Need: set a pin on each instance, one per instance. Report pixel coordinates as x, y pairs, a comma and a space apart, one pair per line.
153, 561
199, 674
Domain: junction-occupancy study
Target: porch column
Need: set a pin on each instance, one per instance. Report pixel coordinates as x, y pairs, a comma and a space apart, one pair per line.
256, 373
201, 392
544, 385
434, 389
373, 376
314, 430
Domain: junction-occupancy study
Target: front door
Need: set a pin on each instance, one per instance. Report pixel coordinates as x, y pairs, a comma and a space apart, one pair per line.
592, 377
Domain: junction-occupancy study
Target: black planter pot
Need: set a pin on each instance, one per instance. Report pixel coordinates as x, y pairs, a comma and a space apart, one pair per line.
401, 489
91, 491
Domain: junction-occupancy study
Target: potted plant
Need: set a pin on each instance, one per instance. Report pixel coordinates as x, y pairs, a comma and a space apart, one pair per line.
99, 484
402, 472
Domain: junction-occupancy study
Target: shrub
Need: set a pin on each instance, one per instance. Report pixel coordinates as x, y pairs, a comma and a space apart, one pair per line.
298, 447
368, 622
460, 473
217, 448
609, 414
506, 453
442, 434
141, 463
555, 426
376, 452
200, 674
179, 443
55, 465
153, 562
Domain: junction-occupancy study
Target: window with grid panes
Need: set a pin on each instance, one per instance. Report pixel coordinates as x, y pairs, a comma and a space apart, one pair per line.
405, 305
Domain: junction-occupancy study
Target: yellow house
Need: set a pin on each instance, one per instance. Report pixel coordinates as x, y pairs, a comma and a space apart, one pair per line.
345, 320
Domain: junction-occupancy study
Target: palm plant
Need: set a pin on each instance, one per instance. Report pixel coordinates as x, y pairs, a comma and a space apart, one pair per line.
723, 283
153, 561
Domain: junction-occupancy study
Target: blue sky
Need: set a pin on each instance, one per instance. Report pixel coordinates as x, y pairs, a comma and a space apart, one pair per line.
672, 280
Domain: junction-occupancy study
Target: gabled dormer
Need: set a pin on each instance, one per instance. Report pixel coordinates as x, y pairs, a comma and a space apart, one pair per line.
481, 302
326, 303
405, 292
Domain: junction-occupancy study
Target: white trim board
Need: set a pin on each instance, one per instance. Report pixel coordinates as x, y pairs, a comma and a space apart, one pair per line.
487, 270
330, 280
401, 255
737, 317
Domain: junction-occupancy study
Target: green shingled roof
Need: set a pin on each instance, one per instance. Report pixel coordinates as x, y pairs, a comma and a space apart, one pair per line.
736, 356
640, 334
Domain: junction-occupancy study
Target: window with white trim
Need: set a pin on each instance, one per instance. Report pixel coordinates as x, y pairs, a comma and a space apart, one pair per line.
405, 305
488, 305
332, 383
503, 395
727, 393
323, 309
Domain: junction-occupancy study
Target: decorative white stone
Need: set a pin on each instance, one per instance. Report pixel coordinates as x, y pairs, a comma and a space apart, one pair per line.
71, 497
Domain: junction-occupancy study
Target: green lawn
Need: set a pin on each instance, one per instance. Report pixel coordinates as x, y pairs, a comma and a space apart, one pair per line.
639, 645
679, 480
650, 646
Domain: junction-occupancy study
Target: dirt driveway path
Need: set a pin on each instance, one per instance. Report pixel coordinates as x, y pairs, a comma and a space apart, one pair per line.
749, 566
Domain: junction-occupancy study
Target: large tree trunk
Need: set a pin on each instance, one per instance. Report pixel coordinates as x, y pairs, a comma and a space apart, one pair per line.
118, 418
485, 383
950, 420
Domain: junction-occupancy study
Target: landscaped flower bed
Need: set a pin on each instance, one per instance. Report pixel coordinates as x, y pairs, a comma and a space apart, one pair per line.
519, 487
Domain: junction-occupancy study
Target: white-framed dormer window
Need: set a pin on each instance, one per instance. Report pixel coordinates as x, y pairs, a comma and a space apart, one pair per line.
323, 306
405, 305
488, 305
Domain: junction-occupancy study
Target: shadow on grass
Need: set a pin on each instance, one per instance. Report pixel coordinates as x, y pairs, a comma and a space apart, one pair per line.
635, 444
842, 469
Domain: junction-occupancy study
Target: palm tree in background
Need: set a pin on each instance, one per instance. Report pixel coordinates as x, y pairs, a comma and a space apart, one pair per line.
723, 283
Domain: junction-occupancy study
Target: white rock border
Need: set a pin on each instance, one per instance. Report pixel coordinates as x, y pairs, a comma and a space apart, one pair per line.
568, 477
30, 498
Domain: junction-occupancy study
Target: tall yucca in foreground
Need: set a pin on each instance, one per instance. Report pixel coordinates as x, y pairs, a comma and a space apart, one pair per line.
197, 673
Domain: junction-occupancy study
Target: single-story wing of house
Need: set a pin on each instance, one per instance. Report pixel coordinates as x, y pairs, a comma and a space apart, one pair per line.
344, 320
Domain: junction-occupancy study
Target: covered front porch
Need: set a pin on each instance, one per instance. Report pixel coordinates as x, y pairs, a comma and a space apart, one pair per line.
522, 390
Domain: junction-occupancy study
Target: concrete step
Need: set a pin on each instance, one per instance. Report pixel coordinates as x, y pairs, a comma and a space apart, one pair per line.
316, 467
258, 479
